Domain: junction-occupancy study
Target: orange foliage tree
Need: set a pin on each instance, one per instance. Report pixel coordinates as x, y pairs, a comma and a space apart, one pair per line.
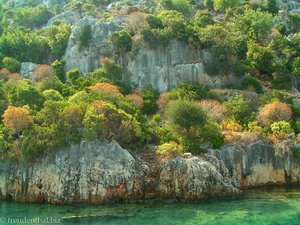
17, 119
106, 87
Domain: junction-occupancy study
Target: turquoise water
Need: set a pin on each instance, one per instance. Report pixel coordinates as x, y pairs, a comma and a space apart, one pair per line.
275, 206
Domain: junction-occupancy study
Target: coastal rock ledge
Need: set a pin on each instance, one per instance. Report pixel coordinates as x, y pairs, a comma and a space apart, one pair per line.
103, 172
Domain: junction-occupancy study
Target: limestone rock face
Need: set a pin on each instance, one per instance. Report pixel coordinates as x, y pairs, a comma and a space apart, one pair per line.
87, 59
69, 17
290, 4
259, 165
103, 172
49, 3
195, 178
164, 68
89, 172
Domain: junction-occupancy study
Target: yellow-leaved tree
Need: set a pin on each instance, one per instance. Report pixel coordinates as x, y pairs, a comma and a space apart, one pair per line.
17, 119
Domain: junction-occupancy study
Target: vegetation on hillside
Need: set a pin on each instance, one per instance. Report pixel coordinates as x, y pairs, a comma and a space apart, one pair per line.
54, 108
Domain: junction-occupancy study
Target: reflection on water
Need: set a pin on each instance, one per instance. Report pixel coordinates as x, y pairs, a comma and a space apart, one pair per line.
263, 206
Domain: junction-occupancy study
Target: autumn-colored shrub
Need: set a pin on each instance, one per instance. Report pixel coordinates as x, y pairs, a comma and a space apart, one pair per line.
105, 87
230, 125
17, 119
136, 21
4, 73
137, 98
13, 77
274, 112
215, 110
163, 100
42, 72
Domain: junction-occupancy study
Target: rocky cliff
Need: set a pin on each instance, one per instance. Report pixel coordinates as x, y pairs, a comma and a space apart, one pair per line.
102, 172
164, 68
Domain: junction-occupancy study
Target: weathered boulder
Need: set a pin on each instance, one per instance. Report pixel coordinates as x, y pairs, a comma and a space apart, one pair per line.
195, 178
27, 68
87, 59
69, 17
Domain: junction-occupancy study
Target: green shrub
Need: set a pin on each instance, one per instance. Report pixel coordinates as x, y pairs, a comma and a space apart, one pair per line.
250, 82
122, 41
170, 149
52, 95
184, 114
239, 108
154, 22
242, 67
12, 64
84, 37
275, 96
150, 96
211, 133
297, 153
224, 4
73, 75
191, 91
282, 129
202, 19
59, 69
296, 126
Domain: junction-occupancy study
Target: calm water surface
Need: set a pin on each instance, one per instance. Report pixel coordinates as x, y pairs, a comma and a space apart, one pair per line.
276, 206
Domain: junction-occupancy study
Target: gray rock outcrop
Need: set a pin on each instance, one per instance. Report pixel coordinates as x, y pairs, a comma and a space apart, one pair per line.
49, 3
258, 165
27, 68
89, 172
164, 68
69, 17
87, 59
103, 172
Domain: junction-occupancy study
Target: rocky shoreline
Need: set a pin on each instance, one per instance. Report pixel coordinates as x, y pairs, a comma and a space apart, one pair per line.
103, 172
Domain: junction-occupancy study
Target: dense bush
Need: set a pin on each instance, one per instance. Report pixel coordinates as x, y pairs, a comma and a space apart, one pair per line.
150, 96
281, 129
274, 112
215, 110
170, 149
11, 64
297, 153
122, 41
211, 133
84, 37
239, 109
191, 91
252, 83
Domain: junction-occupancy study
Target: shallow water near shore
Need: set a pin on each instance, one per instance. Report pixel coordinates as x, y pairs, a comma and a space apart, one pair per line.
260, 206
